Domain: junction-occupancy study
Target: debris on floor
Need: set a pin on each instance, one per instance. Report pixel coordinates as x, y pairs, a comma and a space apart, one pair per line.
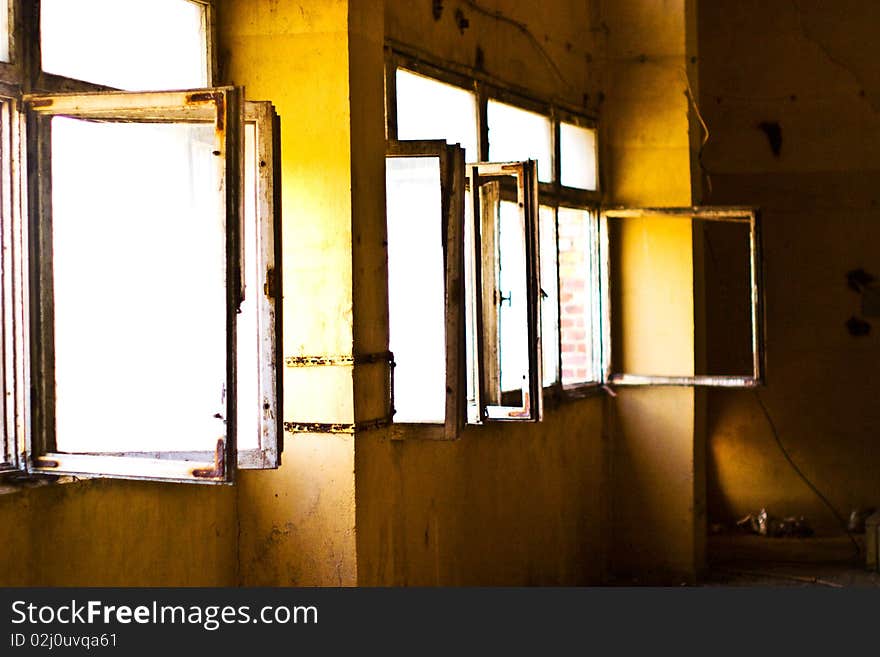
857, 518
764, 524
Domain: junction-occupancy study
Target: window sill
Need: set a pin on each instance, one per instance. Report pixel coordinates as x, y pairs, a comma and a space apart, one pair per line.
557, 395
16, 482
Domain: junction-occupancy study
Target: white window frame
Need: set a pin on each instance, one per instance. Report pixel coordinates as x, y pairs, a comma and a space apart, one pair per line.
452, 195
489, 399
30, 97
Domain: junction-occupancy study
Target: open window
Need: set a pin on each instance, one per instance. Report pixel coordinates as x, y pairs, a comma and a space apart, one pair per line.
136, 293
504, 293
13, 300
424, 186
140, 258
260, 431
707, 259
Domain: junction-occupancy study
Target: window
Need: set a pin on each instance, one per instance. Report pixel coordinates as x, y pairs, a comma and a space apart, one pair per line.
506, 291
150, 235
495, 125
425, 210
709, 257
114, 42
546, 293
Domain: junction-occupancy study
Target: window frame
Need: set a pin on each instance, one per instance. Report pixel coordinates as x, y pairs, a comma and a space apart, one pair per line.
739, 214
15, 438
552, 194
199, 467
270, 438
452, 194
25, 451
487, 363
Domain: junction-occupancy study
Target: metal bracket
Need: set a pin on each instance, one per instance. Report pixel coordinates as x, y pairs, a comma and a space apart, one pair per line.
344, 361
336, 428
339, 361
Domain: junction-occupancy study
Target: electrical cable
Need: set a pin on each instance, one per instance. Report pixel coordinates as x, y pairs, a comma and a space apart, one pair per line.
705, 140
810, 484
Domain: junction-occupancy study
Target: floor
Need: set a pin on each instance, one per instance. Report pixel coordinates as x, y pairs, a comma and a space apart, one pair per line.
748, 560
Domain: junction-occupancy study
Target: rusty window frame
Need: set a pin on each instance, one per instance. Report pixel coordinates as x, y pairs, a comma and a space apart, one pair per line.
23, 74
740, 214
553, 194
452, 186
487, 391
14, 437
267, 178
223, 107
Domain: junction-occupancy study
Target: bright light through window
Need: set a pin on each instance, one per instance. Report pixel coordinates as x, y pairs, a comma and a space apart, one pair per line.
139, 287
416, 302
577, 148
516, 134
576, 237
513, 324
549, 296
247, 328
428, 109
4, 30
126, 44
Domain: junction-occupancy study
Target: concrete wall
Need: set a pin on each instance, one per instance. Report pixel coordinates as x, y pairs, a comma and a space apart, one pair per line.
658, 494
810, 67
118, 533
297, 524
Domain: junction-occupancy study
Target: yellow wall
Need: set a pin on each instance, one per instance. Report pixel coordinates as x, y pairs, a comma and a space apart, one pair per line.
118, 533
658, 508
297, 524
811, 67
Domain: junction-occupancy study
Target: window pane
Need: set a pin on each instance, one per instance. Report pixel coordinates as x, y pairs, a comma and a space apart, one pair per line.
428, 109
416, 302
139, 287
577, 148
247, 327
7, 313
470, 317
127, 44
727, 299
4, 31
513, 334
576, 236
516, 134
549, 296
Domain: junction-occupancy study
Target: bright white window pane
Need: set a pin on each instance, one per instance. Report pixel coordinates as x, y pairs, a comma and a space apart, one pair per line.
428, 109
7, 313
575, 289
4, 30
577, 152
470, 307
127, 44
549, 296
248, 328
516, 134
416, 273
513, 334
139, 287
